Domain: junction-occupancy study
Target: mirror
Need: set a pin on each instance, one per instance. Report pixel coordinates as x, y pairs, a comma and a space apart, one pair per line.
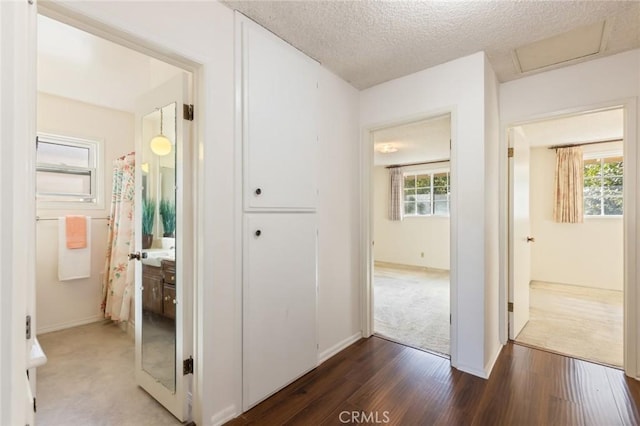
158, 171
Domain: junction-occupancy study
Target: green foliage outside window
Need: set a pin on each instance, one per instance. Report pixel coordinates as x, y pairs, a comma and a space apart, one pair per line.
603, 185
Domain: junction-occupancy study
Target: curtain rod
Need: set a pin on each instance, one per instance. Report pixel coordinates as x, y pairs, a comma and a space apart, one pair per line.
395, 166
585, 143
38, 218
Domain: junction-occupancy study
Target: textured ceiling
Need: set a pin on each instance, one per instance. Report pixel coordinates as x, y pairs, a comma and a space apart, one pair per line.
370, 42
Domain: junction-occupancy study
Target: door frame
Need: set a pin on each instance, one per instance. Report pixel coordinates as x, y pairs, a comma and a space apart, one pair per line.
366, 222
631, 320
138, 43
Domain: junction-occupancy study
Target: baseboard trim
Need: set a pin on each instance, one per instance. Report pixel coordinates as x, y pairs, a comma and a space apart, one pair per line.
70, 324
489, 367
326, 354
223, 416
473, 371
392, 265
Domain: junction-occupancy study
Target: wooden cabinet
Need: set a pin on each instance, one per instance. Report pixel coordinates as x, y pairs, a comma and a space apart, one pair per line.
159, 289
280, 135
152, 285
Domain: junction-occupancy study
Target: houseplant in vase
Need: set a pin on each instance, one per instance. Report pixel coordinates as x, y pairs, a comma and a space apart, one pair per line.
148, 216
168, 215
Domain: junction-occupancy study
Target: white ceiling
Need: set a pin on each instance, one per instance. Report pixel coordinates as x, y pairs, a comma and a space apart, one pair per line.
369, 42
80, 66
591, 127
426, 140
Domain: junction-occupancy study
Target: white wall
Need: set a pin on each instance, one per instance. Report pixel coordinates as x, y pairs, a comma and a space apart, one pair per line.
492, 343
459, 86
208, 39
338, 215
62, 304
403, 242
587, 254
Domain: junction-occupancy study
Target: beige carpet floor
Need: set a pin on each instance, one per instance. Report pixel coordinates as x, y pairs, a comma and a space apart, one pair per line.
89, 381
577, 321
412, 307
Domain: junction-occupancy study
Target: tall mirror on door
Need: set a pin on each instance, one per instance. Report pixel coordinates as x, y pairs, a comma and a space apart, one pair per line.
158, 216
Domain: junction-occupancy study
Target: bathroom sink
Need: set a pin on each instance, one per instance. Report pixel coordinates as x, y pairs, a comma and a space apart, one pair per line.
156, 256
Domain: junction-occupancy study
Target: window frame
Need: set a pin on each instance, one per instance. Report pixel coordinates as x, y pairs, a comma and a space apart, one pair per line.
602, 156
431, 174
55, 200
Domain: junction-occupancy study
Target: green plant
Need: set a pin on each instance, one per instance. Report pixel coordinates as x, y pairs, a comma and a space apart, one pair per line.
168, 215
148, 216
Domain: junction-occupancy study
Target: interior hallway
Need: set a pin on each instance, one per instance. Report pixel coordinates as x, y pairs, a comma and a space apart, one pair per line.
577, 321
89, 380
527, 387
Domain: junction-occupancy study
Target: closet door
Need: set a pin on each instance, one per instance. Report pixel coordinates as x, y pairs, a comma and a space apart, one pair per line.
280, 342
279, 96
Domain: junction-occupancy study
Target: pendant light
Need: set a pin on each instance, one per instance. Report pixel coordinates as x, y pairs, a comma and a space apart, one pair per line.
160, 144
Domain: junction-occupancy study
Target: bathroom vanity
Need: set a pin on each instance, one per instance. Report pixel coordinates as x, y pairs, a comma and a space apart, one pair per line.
159, 283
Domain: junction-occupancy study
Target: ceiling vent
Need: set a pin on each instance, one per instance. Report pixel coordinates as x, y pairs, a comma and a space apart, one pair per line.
573, 45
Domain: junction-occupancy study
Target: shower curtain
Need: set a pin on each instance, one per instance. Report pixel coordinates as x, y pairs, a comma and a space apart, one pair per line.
117, 287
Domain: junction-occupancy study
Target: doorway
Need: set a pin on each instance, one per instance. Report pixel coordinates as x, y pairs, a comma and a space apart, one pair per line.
89, 125
411, 190
566, 255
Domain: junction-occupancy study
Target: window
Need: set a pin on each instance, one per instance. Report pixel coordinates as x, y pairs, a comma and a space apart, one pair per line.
66, 171
603, 186
426, 194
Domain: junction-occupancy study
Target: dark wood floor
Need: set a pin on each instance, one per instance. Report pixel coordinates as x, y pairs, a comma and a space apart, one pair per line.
526, 387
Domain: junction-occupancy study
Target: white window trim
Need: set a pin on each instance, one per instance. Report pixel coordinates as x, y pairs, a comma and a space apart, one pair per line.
431, 172
602, 155
97, 184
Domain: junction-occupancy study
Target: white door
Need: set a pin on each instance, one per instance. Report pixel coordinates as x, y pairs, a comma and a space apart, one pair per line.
163, 297
280, 92
279, 324
519, 232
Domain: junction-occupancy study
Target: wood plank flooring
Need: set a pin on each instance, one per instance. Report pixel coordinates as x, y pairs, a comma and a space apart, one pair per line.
377, 381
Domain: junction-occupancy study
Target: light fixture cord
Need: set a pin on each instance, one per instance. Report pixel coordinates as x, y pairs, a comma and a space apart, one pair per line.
161, 121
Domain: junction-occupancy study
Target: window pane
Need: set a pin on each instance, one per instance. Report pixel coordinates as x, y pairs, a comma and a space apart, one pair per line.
592, 182
423, 208
409, 208
441, 207
613, 168
441, 197
592, 206
409, 195
410, 181
63, 183
441, 179
591, 168
63, 155
612, 206
612, 190
423, 181
440, 190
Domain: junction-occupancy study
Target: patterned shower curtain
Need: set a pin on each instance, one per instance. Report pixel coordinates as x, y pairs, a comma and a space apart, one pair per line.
117, 287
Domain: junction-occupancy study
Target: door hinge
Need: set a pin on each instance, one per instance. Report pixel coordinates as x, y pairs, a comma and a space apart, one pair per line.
28, 328
510, 307
37, 142
510, 152
187, 112
187, 366
34, 405
449, 318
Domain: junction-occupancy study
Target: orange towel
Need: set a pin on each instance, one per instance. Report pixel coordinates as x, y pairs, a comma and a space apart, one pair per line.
76, 232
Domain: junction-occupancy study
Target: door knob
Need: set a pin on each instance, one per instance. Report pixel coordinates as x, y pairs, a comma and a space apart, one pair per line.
258, 233
258, 191
137, 255
531, 240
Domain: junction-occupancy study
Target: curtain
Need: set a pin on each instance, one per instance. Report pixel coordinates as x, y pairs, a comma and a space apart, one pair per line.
117, 287
396, 194
568, 205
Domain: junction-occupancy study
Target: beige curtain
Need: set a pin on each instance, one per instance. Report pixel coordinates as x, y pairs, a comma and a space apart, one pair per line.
568, 206
396, 194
